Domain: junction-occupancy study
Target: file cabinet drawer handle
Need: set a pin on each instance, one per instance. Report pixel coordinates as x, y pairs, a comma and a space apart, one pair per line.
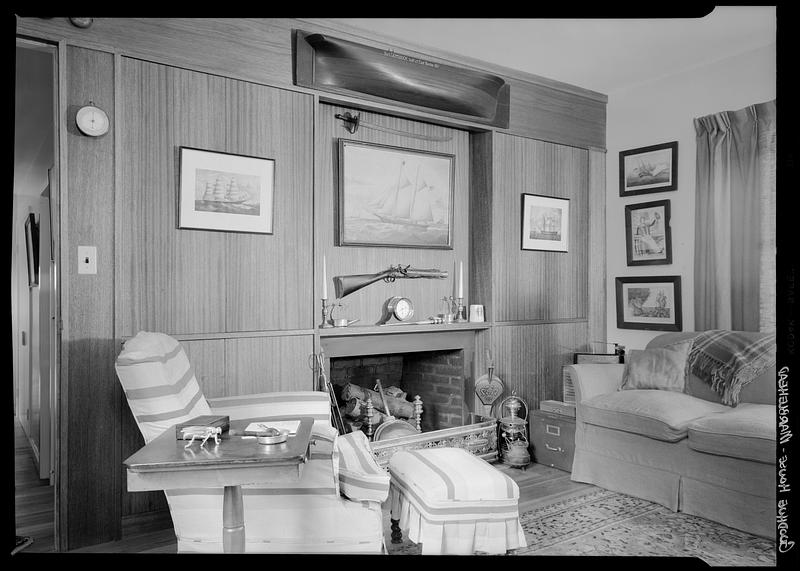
559, 449
552, 429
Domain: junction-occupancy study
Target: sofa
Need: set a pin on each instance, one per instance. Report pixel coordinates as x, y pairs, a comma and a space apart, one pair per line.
685, 444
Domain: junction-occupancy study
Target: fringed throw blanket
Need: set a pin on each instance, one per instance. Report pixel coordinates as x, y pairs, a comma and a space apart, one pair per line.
728, 360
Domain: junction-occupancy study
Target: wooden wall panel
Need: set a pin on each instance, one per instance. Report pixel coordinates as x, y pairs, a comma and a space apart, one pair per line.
207, 357
556, 115
529, 358
366, 304
90, 484
260, 50
172, 281
269, 277
198, 281
481, 278
267, 364
597, 247
538, 285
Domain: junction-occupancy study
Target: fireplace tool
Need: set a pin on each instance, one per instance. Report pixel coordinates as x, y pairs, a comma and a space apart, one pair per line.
489, 387
317, 363
394, 427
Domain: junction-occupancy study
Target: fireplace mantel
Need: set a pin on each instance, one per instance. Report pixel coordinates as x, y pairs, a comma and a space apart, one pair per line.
382, 339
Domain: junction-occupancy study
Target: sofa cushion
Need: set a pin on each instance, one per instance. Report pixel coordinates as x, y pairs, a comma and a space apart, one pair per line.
662, 368
662, 415
747, 432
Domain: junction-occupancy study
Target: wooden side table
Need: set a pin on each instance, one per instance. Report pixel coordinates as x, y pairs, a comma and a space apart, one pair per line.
166, 464
553, 439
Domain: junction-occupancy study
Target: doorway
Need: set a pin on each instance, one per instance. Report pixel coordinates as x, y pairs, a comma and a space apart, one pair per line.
34, 286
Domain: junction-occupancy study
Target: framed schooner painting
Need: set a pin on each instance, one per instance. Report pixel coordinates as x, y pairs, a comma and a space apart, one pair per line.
222, 191
394, 197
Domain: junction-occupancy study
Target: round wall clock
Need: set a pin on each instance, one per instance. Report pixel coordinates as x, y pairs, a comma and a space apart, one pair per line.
92, 121
401, 308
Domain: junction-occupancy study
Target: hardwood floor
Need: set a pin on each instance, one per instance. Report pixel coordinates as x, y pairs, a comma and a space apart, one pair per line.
538, 485
34, 499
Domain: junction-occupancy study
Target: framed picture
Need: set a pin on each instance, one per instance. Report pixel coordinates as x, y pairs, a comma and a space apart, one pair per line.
396, 197
649, 303
545, 223
32, 249
221, 191
648, 239
648, 169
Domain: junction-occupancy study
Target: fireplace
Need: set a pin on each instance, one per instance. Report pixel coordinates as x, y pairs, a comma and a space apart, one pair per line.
437, 377
434, 362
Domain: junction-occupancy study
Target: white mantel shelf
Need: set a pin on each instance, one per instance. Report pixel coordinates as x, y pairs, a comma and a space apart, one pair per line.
389, 339
354, 330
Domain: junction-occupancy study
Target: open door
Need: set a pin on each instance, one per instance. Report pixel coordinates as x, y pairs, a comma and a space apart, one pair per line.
46, 338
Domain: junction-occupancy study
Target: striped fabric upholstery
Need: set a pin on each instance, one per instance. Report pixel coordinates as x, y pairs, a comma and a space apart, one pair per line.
277, 523
159, 383
454, 503
360, 476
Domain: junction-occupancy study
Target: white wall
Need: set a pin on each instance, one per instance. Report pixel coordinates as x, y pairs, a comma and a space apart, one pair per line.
660, 111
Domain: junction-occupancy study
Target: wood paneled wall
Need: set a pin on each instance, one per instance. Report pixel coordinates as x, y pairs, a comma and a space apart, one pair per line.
538, 301
529, 284
198, 281
90, 460
426, 294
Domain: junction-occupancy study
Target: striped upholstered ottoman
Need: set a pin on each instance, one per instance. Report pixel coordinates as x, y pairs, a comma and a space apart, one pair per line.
453, 502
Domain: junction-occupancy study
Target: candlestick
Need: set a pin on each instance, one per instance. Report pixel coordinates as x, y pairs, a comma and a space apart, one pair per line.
327, 310
460, 280
324, 280
460, 316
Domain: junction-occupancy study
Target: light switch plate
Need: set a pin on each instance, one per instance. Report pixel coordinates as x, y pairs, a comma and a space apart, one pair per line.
87, 259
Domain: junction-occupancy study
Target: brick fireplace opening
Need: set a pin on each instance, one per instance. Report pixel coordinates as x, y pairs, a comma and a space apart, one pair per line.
435, 362
436, 376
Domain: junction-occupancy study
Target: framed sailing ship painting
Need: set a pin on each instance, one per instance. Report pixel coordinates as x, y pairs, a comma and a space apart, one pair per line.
222, 191
394, 197
545, 223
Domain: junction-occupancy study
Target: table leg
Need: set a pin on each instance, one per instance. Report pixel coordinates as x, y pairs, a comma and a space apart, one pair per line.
232, 520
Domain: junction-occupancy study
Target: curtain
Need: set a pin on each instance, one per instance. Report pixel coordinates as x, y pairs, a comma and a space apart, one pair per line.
734, 263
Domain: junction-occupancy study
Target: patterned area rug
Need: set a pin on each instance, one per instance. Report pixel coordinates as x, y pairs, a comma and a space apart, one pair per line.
604, 523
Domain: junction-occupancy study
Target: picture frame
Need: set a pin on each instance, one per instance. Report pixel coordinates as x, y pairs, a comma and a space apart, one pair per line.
648, 236
225, 192
649, 302
648, 169
545, 223
32, 249
395, 197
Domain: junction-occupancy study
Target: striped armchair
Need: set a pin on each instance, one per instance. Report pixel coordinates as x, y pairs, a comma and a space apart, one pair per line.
334, 507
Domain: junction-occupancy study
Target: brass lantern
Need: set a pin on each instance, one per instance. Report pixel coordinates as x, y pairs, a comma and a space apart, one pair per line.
513, 432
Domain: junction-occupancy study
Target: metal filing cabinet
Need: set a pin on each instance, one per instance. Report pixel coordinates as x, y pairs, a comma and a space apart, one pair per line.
553, 439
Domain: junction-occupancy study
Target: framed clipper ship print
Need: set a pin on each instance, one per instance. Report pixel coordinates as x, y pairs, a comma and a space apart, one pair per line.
394, 197
545, 223
222, 191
